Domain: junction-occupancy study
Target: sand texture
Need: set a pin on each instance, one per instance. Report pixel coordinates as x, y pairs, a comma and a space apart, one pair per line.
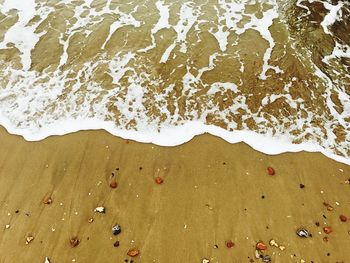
212, 192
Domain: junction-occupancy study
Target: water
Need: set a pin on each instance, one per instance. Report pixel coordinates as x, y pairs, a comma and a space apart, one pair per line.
274, 74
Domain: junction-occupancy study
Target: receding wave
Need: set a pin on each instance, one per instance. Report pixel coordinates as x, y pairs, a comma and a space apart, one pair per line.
274, 74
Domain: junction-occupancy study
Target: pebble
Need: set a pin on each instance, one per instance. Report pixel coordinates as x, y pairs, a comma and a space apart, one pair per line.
270, 171
266, 258
229, 244
260, 246
327, 230
302, 232
7, 226
74, 241
47, 260
328, 206
343, 218
159, 180
133, 253
100, 209
116, 244
29, 239
205, 260
91, 220
273, 243
116, 230
47, 200
113, 184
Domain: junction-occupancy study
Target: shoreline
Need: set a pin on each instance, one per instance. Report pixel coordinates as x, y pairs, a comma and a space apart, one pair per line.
213, 192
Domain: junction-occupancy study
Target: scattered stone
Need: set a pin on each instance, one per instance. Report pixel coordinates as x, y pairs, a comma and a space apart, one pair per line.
270, 171
113, 184
266, 258
260, 246
343, 218
273, 243
116, 244
159, 180
47, 260
327, 230
100, 209
229, 244
317, 223
74, 241
133, 252
205, 260
326, 239
257, 254
116, 230
91, 220
47, 200
328, 206
216, 246
282, 248
7, 226
29, 239
302, 232
302, 186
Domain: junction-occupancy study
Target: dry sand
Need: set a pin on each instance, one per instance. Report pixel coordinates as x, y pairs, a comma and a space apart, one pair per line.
212, 192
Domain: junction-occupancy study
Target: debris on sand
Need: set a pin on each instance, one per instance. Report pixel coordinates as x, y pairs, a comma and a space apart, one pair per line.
7, 226
229, 244
100, 210
270, 171
116, 230
205, 260
302, 232
327, 230
260, 246
74, 241
47, 200
116, 244
328, 206
266, 258
113, 184
133, 252
29, 239
91, 220
47, 260
159, 180
343, 218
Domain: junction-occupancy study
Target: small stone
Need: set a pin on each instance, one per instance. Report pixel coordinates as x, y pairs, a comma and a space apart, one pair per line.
29, 239
113, 184
7, 226
270, 171
74, 241
116, 244
133, 252
282, 248
116, 230
47, 260
327, 230
302, 186
266, 258
328, 206
260, 246
229, 244
205, 260
91, 220
343, 218
302, 232
326, 239
47, 200
159, 180
273, 243
100, 209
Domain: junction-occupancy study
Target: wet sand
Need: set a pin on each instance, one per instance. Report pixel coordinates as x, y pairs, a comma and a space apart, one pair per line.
212, 192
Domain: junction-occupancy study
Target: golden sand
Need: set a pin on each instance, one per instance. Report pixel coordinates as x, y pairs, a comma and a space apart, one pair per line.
212, 192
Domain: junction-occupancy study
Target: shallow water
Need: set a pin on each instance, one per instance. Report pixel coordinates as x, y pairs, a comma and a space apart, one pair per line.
164, 71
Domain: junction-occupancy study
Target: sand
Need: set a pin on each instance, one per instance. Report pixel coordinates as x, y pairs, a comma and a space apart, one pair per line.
212, 192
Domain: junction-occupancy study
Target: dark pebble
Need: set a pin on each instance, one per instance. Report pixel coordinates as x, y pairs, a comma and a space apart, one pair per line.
302, 186
116, 230
116, 244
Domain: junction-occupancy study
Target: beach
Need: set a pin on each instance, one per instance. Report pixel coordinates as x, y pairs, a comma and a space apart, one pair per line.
215, 202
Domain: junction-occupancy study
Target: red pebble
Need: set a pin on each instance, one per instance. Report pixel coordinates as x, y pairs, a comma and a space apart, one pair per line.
270, 171
159, 180
113, 184
260, 246
343, 218
230, 244
327, 230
